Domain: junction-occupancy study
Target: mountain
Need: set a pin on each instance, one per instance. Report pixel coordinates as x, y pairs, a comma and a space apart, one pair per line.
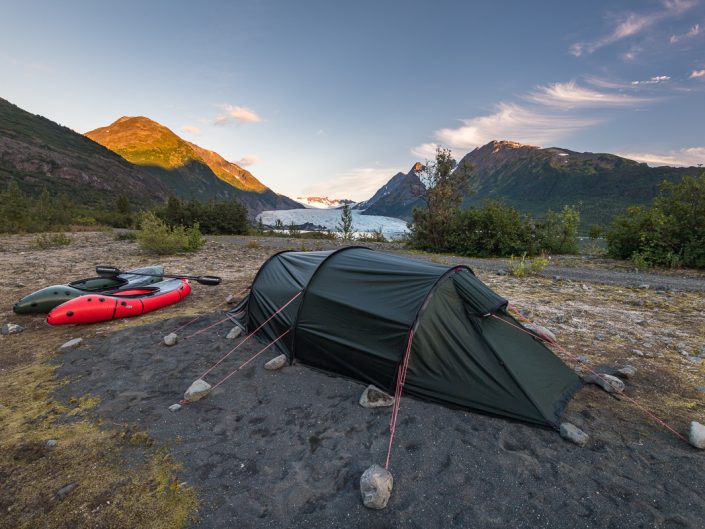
187, 169
38, 153
397, 198
324, 202
534, 179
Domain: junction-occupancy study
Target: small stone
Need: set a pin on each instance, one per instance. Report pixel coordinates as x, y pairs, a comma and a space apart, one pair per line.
175, 407
542, 331
374, 397
196, 391
697, 435
599, 337
234, 333
502, 272
376, 487
637, 352
607, 382
71, 344
230, 299
626, 372
585, 287
701, 350
583, 359
51, 443
643, 286
11, 328
642, 323
574, 434
276, 363
695, 360
171, 339
65, 490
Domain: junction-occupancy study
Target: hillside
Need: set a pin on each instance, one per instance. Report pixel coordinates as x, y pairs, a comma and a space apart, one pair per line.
38, 153
189, 170
397, 197
534, 180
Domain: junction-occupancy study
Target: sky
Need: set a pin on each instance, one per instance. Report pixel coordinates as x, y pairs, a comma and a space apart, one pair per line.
333, 98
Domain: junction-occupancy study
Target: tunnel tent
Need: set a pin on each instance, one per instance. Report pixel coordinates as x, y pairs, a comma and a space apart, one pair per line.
357, 309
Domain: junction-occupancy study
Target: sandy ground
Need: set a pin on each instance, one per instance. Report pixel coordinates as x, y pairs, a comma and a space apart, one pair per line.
287, 449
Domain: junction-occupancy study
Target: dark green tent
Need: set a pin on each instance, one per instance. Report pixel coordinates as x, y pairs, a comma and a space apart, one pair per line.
357, 308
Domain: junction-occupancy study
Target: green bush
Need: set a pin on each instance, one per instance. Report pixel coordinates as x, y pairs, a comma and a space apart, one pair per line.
557, 233
51, 240
155, 236
670, 232
374, 236
524, 267
215, 218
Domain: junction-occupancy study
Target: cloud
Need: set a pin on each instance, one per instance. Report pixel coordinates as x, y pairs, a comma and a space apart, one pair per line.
248, 160
191, 129
695, 74
357, 184
570, 95
654, 80
632, 24
238, 114
695, 30
687, 157
510, 121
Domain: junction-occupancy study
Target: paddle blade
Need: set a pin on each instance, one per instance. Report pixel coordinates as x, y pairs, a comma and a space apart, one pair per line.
208, 280
107, 271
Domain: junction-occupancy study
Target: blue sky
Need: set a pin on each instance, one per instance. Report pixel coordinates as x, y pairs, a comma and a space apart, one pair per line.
333, 98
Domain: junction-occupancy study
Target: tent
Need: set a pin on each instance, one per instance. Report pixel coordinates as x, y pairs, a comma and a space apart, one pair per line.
357, 310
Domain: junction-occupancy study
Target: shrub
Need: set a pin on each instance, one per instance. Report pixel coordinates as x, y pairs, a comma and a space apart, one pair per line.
345, 228
523, 268
557, 233
155, 236
374, 236
216, 218
125, 236
51, 240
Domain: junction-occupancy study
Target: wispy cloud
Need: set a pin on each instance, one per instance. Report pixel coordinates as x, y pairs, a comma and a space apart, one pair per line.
511, 121
191, 129
356, 184
687, 157
571, 95
695, 30
654, 80
695, 74
238, 114
632, 24
248, 160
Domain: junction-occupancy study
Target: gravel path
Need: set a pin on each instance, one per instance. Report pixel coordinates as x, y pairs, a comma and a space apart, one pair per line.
655, 281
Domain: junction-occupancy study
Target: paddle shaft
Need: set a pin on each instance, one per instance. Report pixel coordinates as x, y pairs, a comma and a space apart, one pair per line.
204, 280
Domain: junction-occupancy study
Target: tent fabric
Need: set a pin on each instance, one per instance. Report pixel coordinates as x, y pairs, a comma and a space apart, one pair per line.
354, 315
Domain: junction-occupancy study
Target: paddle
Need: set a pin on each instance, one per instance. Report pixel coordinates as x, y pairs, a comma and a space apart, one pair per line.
111, 271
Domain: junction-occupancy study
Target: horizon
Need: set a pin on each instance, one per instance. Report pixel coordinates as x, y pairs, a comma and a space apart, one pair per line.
319, 100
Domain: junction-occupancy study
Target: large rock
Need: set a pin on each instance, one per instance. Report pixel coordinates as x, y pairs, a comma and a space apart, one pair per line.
374, 397
574, 434
697, 435
11, 328
71, 344
196, 391
276, 363
234, 333
607, 382
376, 487
626, 372
171, 339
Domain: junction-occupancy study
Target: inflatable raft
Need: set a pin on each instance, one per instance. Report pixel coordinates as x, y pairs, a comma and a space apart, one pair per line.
125, 303
45, 299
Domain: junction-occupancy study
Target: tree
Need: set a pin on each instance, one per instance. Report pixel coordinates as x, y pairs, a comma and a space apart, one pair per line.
443, 189
345, 228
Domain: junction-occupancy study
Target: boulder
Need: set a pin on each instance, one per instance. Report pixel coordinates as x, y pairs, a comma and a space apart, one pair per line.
697, 435
626, 372
11, 328
376, 487
71, 344
574, 434
234, 333
607, 382
374, 397
196, 391
171, 339
276, 363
